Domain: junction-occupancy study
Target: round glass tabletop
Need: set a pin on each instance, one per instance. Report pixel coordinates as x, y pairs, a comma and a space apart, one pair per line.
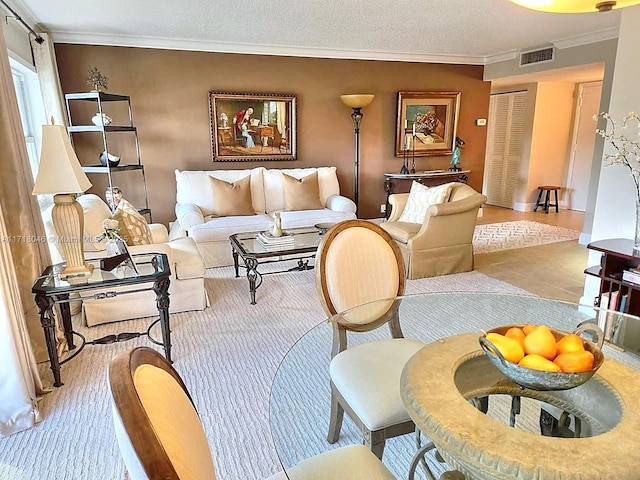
300, 393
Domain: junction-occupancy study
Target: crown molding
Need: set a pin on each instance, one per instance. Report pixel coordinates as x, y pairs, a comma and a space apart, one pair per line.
501, 57
252, 49
587, 38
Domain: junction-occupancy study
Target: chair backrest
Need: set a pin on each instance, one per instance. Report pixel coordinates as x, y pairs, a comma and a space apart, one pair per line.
357, 262
158, 429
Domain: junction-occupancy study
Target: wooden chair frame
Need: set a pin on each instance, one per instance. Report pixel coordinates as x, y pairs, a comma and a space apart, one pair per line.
374, 439
153, 458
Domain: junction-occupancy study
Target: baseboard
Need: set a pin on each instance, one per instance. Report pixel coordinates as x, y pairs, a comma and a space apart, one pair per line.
523, 207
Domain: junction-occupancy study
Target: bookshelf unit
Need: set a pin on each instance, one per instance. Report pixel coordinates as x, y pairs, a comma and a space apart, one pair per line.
617, 256
100, 99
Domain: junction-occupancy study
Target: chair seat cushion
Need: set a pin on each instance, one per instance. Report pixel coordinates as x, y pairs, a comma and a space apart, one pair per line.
368, 378
401, 231
354, 462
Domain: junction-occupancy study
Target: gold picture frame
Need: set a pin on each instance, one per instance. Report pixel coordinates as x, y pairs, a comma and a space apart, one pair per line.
426, 123
252, 126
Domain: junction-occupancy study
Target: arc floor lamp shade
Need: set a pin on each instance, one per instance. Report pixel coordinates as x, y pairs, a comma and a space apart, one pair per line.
357, 102
60, 175
575, 6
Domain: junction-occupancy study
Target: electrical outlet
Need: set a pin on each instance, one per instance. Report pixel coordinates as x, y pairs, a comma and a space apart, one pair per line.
383, 208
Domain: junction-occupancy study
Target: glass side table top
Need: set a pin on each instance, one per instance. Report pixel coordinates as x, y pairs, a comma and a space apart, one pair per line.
150, 267
300, 393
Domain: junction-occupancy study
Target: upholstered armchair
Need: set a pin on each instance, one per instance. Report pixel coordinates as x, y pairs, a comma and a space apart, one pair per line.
186, 289
442, 243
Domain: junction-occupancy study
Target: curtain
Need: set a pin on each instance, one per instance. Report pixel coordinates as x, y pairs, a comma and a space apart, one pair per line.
44, 56
281, 114
21, 262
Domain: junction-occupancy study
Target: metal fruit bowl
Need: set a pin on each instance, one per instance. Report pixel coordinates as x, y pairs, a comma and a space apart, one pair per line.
541, 380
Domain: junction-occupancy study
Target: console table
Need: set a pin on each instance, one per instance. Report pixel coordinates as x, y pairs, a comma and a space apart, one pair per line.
428, 178
50, 289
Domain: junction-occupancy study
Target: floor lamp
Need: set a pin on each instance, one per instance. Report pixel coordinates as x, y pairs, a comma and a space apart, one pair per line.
60, 175
357, 102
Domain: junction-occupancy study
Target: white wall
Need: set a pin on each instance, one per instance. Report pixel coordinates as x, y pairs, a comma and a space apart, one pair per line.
614, 212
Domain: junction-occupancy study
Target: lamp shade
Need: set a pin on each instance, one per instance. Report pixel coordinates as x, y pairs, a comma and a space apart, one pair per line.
358, 100
574, 6
59, 171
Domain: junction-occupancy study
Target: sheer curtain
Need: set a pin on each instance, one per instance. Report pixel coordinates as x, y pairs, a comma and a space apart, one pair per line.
44, 56
20, 264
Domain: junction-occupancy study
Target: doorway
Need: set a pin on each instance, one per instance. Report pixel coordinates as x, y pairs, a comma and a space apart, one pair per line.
582, 144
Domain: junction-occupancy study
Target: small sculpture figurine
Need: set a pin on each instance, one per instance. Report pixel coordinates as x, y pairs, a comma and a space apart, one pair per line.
455, 157
276, 230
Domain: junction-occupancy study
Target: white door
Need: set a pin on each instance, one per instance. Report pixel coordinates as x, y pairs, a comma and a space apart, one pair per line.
504, 148
584, 137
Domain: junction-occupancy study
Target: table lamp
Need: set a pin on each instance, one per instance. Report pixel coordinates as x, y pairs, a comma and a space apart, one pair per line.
574, 6
357, 102
61, 175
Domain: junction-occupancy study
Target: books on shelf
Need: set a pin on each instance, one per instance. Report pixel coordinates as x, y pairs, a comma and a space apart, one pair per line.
631, 275
268, 241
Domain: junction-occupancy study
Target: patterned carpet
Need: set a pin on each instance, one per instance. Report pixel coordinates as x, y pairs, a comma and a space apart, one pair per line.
495, 237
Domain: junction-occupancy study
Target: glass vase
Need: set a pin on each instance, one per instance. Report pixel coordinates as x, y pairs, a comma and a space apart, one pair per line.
112, 248
636, 237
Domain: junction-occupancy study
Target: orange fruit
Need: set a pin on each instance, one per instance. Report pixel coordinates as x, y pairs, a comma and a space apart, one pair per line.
537, 362
569, 343
575, 361
541, 342
510, 349
517, 334
528, 328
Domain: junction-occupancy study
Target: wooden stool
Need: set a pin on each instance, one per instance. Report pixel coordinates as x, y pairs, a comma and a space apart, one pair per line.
547, 191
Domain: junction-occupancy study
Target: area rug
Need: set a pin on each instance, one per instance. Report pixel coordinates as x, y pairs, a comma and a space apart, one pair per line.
227, 354
495, 237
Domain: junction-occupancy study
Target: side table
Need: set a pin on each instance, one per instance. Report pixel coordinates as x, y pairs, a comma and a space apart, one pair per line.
50, 289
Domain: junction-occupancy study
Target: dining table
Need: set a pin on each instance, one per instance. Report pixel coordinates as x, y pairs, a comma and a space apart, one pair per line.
442, 388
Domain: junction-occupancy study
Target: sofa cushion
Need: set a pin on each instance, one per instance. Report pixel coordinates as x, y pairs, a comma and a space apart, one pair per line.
401, 231
308, 218
421, 198
133, 227
94, 212
218, 229
231, 198
274, 188
302, 193
195, 187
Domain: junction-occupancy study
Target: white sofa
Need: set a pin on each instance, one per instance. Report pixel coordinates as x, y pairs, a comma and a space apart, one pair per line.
186, 290
194, 207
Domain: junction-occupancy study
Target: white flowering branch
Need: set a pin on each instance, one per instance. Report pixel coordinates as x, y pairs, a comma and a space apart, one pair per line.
627, 151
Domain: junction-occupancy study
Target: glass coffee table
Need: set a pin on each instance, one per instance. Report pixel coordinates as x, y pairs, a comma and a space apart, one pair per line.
245, 246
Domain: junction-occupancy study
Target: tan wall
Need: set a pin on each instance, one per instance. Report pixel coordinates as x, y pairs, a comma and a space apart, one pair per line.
169, 94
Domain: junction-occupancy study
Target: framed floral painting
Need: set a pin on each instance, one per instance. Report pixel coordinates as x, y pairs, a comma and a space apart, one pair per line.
426, 123
252, 126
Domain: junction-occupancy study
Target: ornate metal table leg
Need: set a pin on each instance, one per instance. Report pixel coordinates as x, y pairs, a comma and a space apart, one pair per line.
252, 276
235, 261
388, 188
161, 287
65, 311
47, 319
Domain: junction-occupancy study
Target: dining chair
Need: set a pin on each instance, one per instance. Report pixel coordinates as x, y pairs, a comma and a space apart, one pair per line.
161, 437
357, 262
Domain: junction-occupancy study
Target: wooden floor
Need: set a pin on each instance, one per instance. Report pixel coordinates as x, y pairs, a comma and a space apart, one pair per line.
550, 271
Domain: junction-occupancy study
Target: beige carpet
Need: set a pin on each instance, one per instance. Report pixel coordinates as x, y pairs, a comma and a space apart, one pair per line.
495, 237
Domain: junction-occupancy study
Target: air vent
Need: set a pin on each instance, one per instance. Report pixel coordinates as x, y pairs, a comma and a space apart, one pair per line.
536, 56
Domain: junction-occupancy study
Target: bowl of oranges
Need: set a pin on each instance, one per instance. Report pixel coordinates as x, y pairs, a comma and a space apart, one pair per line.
543, 358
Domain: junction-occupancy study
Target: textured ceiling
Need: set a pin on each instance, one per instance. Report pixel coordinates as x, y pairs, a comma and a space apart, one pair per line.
462, 31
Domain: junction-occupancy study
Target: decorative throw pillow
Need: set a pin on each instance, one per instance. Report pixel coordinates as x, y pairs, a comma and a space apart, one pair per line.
132, 226
301, 194
421, 198
231, 199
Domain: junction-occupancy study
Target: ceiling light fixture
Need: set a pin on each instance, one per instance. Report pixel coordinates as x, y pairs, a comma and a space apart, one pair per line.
574, 6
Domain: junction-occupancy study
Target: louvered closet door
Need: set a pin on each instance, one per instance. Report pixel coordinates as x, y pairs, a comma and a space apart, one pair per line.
504, 147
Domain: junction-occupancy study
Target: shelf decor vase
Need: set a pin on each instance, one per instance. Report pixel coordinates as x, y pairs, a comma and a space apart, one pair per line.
112, 247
